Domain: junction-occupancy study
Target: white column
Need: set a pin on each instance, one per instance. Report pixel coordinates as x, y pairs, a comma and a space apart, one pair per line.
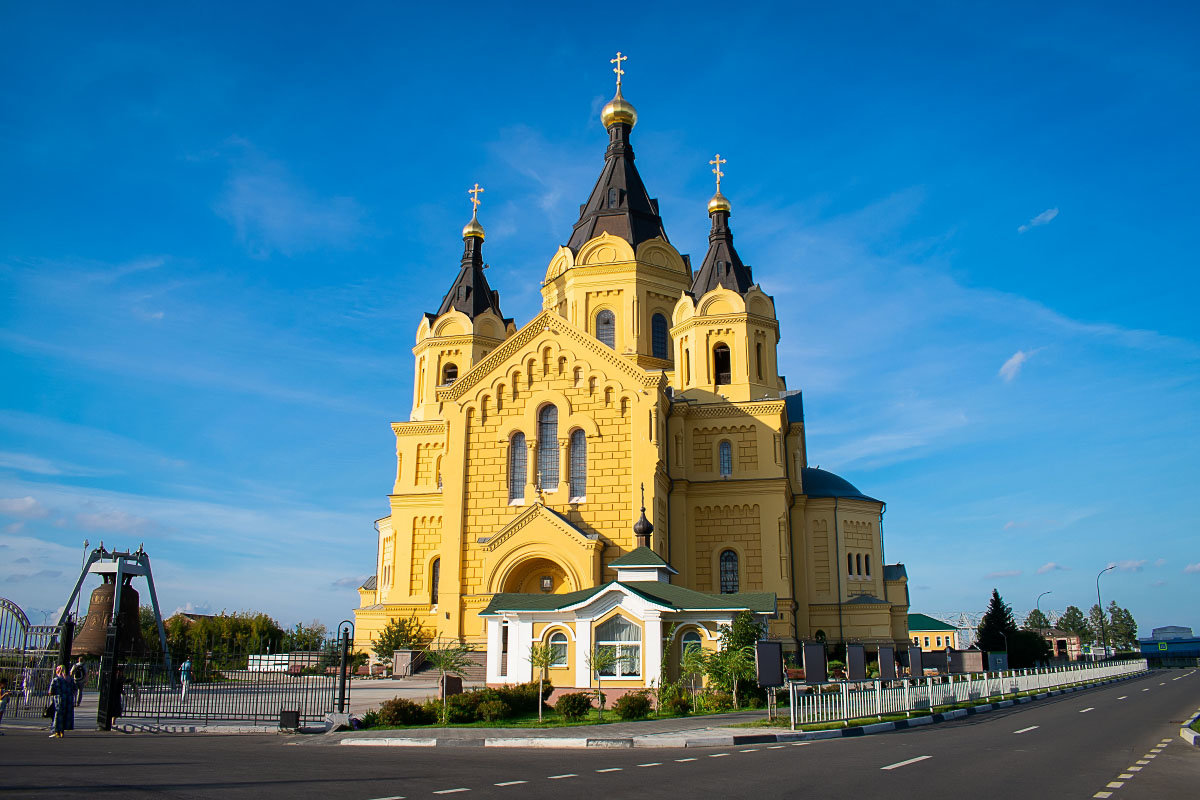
493, 650
652, 645
520, 670
583, 646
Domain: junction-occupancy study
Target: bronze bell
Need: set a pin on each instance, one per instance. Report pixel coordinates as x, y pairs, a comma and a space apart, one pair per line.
90, 638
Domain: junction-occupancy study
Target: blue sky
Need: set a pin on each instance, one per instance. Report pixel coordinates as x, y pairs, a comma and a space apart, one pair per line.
221, 224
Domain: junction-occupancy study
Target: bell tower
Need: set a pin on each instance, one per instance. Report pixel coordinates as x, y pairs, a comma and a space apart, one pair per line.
725, 329
467, 326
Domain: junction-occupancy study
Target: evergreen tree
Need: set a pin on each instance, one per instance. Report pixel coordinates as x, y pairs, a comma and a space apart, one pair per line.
1122, 629
1098, 627
1036, 621
1074, 622
996, 625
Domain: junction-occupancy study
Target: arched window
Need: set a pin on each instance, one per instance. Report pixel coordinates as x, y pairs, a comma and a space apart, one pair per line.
690, 640
449, 374
548, 448
867, 558
729, 572
722, 370
758, 359
659, 345
858, 565
624, 638
606, 328
558, 649
517, 458
849, 563
578, 465
435, 573
687, 366
725, 456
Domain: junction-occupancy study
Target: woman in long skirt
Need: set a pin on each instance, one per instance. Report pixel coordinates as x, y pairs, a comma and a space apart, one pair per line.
62, 689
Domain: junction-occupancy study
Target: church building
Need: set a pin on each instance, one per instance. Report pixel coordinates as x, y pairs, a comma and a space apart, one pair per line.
643, 383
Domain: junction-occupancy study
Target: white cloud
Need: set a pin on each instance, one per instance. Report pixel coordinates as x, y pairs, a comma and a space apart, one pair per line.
1004, 573
1010, 368
1130, 565
1160, 562
112, 520
1192, 568
1159, 582
24, 462
350, 582
26, 507
1012, 524
1051, 566
1041, 219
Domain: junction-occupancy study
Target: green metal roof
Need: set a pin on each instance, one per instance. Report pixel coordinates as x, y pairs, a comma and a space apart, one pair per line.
642, 557
675, 597
924, 622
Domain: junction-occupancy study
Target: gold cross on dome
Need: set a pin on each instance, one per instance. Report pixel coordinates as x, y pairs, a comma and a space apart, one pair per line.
617, 69
475, 201
717, 162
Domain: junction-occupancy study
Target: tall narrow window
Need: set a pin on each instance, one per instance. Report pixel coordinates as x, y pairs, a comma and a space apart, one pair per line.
725, 455
449, 374
435, 574
606, 328
867, 558
858, 565
758, 358
612, 198
729, 572
548, 448
578, 475
659, 345
558, 649
517, 458
722, 371
503, 649
849, 563
687, 366
624, 639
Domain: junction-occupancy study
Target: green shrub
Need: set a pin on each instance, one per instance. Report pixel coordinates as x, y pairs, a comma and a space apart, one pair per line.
370, 719
465, 707
633, 705
678, 704
400, 711
713, 700
492, 710
523, 698
574, 705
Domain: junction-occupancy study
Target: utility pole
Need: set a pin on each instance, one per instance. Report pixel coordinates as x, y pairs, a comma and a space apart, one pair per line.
1100, 605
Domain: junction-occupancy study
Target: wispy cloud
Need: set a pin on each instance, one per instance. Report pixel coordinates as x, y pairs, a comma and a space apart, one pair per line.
1130, 565
273, 212
1010, 368
1051, 566
114, 521
1160, 562
1043, 218
1004, 573
24, 462
1192, 569
27, 507
349, 582
1013, 524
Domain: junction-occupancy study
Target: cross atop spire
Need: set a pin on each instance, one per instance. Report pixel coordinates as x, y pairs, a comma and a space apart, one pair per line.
475, 201
617, 69
717, 162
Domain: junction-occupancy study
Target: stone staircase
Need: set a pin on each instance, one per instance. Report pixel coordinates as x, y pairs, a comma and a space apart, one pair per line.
475, 674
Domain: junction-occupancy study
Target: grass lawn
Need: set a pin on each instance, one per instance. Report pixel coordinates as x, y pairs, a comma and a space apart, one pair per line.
550, 719
1196, 725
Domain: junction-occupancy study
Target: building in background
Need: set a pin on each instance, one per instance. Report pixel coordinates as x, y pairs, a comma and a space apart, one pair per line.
931, 634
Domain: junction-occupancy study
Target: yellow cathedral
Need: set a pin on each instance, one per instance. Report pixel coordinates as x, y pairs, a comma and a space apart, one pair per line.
642, 384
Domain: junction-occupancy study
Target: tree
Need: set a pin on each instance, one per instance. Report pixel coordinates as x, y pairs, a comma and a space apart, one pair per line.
305, 637
729, 666
448, 658
1098, 632
741, 636
599, 661
401, 633
997, 625
1027, 649
541, 656
693, 663
1122, 629
1036, 621
1074, 622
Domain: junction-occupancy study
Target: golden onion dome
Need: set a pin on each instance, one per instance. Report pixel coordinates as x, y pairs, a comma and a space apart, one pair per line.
473, 228
718, 203
618, 110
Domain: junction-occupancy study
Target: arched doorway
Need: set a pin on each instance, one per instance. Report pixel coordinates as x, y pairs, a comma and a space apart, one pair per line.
538, 576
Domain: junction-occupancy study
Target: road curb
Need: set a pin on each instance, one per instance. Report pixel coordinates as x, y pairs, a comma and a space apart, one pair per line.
1187, 734
686, 739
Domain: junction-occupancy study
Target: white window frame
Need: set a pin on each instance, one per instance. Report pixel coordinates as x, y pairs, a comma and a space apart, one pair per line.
555, 643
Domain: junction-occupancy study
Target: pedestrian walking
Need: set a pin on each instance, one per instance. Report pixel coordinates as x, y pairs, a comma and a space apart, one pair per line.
5, 696
27, 682
62, 689
185, 678
79, 675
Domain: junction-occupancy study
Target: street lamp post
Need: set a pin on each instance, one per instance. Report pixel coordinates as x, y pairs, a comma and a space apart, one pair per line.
1100, 605
1038, 603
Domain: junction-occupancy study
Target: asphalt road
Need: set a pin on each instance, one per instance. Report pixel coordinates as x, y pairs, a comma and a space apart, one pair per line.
1074, 745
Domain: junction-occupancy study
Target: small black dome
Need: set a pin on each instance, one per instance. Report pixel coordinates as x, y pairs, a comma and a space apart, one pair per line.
820, 483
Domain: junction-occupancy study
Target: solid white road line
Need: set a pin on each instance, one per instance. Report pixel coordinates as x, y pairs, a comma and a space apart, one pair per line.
1027, 730
899, 764
509, 783
611, 769
560, 777
1085, 710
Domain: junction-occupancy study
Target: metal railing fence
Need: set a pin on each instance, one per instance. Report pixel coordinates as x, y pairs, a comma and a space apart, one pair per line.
844, 700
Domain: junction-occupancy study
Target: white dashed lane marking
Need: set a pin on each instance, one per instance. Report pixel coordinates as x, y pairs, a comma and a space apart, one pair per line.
390, 797
681, 760
1027, 730
1123, 697
509, 783
610, 769
1102, 794
777, 747
651, 764
899, 764
1145, 690
560, 777
1115, 784
1086, 710
718, 755
452, 791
